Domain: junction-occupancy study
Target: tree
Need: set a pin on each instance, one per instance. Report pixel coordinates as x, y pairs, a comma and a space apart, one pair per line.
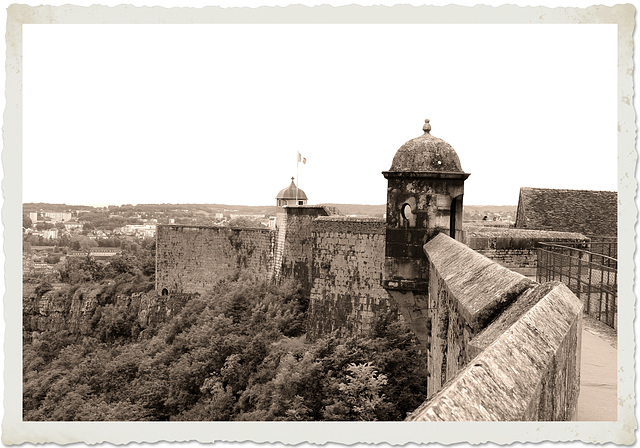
243, 221
26, 221
44, 226
52, 259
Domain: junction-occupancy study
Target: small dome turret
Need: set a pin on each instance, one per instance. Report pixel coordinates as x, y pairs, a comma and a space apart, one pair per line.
426, 154
292, 195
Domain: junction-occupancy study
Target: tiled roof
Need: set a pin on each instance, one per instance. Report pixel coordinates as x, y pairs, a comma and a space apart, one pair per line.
584, 211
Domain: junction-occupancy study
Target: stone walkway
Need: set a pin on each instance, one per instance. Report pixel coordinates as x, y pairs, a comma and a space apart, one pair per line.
598, 399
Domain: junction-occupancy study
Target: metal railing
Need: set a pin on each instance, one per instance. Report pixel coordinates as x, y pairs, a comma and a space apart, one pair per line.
589, 270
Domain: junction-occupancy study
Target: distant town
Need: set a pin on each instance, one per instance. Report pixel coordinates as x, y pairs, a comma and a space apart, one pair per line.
51, 232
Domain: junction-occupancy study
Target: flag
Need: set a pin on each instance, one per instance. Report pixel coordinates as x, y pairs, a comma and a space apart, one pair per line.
301, 159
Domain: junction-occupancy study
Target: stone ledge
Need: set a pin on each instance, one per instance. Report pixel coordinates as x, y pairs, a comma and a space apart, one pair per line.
529, 372
481, 287
509, 317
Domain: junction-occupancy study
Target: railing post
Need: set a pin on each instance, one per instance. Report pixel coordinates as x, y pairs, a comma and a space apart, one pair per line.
601, 290
579, 283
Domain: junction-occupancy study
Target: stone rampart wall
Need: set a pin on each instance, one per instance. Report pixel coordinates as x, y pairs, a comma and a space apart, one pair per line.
348, 256
295, 244
193, 259
515, 249
503, 347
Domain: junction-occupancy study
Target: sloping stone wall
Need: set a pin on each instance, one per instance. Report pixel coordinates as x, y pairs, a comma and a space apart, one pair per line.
192, 259
503, 347
466, 292
528, 371
348, 256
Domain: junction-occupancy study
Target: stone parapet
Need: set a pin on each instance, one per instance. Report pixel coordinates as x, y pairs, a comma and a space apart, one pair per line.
480, 287
528, 371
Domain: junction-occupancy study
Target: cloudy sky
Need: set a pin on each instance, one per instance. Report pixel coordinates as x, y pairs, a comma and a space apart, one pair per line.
118, 114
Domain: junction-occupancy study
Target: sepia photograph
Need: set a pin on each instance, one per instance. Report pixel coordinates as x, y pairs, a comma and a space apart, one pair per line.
317, 215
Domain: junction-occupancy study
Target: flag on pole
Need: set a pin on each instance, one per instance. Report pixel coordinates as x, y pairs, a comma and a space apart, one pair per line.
301, 159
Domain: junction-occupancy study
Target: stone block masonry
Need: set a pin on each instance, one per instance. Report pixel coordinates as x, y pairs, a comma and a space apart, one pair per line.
193, 259
348, 257
529, 371
466, 292
295, 243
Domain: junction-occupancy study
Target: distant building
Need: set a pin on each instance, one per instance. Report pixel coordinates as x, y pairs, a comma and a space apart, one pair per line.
97, 252
50, 234
33, 216
58, 216
139, 230
72, 225
588, 212
291, 195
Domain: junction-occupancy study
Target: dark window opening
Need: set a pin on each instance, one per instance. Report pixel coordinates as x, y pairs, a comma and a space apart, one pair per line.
455, 203
165, 292
408, 215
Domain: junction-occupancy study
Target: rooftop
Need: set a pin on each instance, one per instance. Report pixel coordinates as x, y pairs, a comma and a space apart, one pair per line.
426, 154
292, 192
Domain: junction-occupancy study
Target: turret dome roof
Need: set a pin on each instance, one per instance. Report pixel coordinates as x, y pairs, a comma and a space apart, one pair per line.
292, 192
426, 154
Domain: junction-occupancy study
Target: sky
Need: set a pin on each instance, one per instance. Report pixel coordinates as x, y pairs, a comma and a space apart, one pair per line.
128, 114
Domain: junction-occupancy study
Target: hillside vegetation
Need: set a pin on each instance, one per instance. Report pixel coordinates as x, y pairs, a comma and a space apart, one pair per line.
238, 353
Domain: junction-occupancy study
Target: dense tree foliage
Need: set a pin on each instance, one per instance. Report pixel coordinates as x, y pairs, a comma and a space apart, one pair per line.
238, 353
26, 221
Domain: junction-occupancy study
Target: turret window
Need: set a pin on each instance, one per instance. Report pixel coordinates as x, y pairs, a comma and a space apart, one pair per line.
408, 215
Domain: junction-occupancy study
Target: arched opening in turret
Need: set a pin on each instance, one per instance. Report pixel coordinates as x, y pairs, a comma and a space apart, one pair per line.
165, 292
407, 214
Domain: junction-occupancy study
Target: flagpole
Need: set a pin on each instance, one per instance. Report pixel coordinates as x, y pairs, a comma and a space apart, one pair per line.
297, 169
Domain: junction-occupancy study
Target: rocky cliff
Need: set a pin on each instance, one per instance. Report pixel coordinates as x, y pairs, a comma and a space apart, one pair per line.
94, 310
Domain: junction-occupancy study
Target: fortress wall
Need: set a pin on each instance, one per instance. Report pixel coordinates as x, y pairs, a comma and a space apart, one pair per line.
295, 244
466, 292
348, 256
515, 249
192, 259
527, 367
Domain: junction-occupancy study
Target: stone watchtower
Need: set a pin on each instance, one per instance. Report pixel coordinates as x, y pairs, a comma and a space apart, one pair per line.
424, 198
